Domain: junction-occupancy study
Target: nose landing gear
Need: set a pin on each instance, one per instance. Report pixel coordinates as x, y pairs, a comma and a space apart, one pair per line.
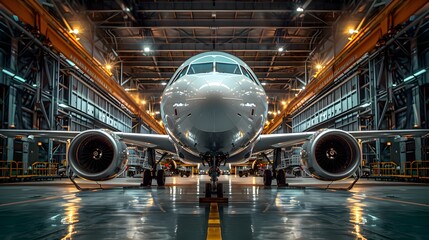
214, 186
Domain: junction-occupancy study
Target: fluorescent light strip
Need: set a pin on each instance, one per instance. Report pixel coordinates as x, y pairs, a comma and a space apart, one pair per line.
14, 76
408, 78
419, 72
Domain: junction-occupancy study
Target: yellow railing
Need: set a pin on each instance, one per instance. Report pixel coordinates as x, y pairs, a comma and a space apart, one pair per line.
417, 168
5, 169
44, 169
14, 169
384, 168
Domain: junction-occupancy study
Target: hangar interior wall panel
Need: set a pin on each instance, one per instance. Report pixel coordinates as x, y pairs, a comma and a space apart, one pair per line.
342, 98
94, 106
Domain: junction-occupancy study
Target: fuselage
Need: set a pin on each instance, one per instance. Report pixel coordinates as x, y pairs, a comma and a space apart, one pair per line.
214, 105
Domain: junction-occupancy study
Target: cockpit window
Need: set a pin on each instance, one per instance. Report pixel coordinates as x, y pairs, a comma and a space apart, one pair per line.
201, 68
180, 74
248, 74
183, 72
227, 68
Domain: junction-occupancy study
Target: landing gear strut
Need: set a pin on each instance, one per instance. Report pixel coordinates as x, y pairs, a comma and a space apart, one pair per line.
214, 186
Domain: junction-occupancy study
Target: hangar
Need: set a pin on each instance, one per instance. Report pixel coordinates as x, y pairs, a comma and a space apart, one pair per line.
102, 89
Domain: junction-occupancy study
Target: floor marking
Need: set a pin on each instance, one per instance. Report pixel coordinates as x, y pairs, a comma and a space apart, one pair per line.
214, 230
398, 201
34, 200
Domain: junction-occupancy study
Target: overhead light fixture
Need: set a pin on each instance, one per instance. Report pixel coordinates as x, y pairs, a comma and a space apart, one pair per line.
319, 66
283, 102
127, 9
419, 72
75, 31
264, 83
146, 49
281, 49
300, 9
353, 31
414, 75
14, 76
143, 102
163, 83
72, 64
108, 66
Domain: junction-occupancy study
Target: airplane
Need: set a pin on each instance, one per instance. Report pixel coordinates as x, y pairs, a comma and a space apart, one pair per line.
213, 109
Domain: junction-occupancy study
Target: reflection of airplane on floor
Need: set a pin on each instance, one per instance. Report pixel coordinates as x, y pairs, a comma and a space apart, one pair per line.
213, 109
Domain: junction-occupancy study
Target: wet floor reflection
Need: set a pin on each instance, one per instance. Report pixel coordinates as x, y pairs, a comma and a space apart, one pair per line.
254, 212
356, 205
71, 214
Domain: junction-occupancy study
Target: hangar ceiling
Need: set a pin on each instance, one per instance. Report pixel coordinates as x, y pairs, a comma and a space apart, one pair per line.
148, 40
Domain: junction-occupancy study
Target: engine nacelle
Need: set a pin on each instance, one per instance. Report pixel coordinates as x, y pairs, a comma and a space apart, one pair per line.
97, 155
331, 155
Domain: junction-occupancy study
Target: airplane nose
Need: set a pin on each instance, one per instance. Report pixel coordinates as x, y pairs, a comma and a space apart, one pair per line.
214, 90
213, 104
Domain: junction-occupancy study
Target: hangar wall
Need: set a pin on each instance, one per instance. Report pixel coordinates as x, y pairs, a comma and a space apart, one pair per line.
385, 89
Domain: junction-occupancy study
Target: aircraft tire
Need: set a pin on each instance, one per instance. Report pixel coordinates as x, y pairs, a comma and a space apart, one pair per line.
219, 190
208, 190
147, 178
281, 178
160, 178
267, 178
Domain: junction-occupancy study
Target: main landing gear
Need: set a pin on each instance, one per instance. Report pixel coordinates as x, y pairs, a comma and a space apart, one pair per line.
214, 186
148, 174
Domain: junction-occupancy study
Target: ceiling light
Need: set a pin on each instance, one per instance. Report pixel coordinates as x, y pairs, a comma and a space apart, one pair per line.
264, 83
143, 102
300, 9
353, 31
127, 9
108, 66
146, 49
318, 66
420, 72
280, 49
163, 83
283, 102
75, 31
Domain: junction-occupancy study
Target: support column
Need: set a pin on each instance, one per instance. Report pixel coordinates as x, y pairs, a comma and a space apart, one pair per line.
25, 151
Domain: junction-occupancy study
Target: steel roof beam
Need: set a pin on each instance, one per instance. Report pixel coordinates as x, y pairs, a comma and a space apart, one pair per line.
216, 24
124, 47
217, 7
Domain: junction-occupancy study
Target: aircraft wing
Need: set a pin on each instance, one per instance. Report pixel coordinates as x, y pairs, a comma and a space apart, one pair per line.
157, 141
270, 141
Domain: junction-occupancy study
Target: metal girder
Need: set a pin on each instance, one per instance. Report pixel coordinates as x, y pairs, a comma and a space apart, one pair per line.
260, 75
175, 64
32, 13
215, 7
152, 67
394, 14
215, 24
127, 47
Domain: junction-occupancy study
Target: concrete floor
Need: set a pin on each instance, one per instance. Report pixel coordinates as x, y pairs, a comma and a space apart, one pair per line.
372, 210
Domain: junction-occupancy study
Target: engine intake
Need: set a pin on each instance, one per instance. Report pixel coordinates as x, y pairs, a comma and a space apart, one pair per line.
97, 155
331, 155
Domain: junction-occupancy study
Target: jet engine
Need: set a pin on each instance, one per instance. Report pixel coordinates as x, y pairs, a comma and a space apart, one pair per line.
331, 155
97, 155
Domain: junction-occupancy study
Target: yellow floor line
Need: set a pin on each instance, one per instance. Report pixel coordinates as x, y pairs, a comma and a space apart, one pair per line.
398, 201
213, 230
